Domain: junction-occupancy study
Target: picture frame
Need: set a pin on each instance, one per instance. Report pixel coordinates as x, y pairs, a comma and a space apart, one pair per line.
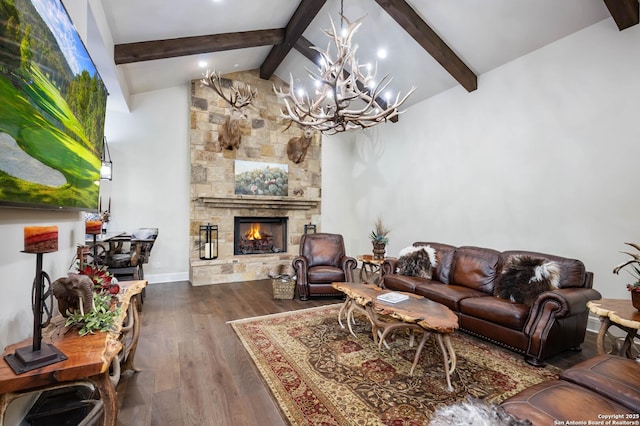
261, 178
52, 122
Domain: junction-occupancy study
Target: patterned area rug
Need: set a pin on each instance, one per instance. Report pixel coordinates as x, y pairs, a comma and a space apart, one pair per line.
322, 375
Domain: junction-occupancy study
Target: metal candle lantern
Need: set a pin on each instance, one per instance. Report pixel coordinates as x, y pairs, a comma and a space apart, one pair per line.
309, 228
208, 242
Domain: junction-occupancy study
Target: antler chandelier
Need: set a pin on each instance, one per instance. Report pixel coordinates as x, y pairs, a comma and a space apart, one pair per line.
344, 98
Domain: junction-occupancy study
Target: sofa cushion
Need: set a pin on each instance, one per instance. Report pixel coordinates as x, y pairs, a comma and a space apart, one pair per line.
523, 278
476, 268
556, 401
572, 271
444, 260
402, 282
416, 261
497, 311
448, 294
611, 376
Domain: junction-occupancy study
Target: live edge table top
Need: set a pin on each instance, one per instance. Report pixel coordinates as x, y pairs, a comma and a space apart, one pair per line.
418, 310
88, 355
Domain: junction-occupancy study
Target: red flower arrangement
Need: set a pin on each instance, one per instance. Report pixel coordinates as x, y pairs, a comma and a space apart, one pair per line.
103, 281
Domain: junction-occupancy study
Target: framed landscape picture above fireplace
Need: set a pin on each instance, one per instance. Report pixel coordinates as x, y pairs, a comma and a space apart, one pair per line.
257, 178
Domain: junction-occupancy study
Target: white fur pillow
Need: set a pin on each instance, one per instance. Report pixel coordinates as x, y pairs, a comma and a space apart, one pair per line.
416, 261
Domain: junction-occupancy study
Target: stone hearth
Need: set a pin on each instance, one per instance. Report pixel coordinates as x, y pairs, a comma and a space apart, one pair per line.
264, 139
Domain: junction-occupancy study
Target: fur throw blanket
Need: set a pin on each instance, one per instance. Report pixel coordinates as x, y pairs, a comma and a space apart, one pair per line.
523, 278
416, 261
474, 412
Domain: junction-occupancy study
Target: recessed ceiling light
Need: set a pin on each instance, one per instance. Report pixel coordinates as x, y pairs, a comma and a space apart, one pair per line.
236, 65
202, 64
382, 53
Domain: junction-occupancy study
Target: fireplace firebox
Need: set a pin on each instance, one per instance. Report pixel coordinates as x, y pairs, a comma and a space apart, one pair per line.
259, 235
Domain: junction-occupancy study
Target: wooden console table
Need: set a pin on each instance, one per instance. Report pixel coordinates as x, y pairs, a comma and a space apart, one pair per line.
619, 313
89, 357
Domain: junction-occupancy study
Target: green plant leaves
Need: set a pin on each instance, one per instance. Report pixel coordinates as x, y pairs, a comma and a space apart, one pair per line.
101, 318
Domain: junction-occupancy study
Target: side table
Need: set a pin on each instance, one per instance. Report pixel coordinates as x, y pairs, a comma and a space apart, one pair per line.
619, 313
88, 357
371, 271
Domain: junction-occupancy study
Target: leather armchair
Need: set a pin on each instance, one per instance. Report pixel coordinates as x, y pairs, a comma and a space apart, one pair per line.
322, 261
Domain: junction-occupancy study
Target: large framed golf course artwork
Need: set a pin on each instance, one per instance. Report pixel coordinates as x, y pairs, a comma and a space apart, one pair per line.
52, 110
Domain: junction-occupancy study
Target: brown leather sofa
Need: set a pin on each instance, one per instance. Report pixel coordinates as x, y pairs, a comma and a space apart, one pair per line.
603, 389
464, 279
322, 261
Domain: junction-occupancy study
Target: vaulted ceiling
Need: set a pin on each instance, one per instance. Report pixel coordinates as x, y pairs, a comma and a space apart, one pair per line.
433, 45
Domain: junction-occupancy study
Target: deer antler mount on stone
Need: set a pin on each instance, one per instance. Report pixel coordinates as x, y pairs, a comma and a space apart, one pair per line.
297, 147
237, 97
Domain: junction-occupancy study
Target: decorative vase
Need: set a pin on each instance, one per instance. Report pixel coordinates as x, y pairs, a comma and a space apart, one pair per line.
378, 250
635, 299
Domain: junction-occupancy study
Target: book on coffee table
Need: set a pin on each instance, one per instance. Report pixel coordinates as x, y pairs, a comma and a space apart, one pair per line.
392, 297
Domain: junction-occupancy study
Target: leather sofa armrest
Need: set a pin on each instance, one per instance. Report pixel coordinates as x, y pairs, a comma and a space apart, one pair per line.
564, 302
389, 265
552, 305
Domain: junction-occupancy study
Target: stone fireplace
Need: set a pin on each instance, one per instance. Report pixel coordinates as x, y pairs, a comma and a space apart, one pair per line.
259, 235
212, 191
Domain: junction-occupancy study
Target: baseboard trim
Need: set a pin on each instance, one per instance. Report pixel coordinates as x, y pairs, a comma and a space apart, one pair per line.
166, 278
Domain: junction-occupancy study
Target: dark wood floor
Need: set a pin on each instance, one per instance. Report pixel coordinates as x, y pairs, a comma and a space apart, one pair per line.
195, 371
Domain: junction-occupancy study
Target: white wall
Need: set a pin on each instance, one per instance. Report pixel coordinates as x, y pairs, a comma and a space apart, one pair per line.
543, 156
150, 151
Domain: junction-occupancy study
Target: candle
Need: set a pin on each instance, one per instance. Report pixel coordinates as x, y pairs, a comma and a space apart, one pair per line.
93, 227
40, 239
210, 251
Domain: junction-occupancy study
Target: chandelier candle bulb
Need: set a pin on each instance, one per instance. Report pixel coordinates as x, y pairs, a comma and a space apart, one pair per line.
40, 239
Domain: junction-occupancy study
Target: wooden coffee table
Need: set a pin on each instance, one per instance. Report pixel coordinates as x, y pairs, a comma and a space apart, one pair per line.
415, 313
619, 313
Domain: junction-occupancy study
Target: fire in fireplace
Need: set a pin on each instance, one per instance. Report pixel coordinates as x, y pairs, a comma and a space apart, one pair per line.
259, 235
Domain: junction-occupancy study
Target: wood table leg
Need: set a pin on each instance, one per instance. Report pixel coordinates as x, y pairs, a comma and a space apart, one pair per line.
345, 305
445, 357
107, 392
131, 352
625, 350
418, 351
604, 326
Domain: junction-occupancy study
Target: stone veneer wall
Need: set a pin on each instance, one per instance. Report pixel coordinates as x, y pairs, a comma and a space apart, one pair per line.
213, 200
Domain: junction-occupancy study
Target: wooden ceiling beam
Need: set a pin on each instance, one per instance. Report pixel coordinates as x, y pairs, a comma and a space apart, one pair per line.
171, 48
626, 13
431, 42
302, 17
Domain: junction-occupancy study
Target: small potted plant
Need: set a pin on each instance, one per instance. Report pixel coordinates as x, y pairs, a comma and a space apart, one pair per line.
634, 263
379, 239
